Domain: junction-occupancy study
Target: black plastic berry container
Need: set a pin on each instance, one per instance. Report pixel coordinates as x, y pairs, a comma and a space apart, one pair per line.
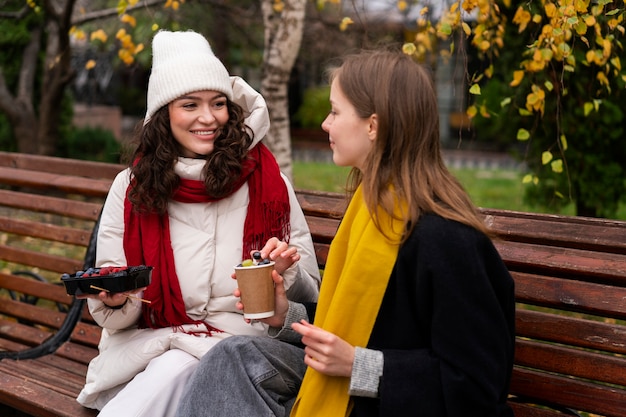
127, 279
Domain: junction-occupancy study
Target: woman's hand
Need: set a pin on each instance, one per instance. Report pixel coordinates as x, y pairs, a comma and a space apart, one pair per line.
324, 351
281, 304
281, 253
112, 299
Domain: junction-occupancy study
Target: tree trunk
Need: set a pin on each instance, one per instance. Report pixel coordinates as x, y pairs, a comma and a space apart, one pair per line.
283, 36
57, 75
19, 106
36, 126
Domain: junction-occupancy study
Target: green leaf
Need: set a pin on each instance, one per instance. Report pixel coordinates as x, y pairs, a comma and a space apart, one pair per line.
505, 102
587, 108
446, 29
524, 112
549, 86
523, 134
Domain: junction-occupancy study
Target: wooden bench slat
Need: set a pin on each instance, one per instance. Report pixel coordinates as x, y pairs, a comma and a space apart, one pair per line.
601, 235
79, 368
571, 362
80, 354
35, 288
47, 375
54, 205
322, 230
32, 314
588, 334
322, 204
573, 263
38, 401
48, 232
56, 165
580, 395
68, 184
571, 295
527, 410
36, 259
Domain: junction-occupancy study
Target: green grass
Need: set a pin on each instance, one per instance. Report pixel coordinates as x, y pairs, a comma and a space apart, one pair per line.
488, 188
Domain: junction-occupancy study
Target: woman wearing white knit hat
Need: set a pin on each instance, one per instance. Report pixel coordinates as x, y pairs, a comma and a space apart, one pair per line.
201, 193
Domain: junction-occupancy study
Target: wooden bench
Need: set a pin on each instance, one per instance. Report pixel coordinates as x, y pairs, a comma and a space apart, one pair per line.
570, 278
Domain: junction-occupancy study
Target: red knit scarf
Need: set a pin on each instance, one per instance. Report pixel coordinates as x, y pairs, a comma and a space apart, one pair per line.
147, 235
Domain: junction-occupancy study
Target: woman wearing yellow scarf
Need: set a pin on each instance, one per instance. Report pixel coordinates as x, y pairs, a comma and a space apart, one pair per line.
416, 310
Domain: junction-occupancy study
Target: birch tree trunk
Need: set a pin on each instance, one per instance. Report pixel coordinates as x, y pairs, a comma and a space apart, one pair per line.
283, 37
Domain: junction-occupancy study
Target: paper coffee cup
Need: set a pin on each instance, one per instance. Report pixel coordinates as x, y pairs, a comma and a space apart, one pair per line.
257, 290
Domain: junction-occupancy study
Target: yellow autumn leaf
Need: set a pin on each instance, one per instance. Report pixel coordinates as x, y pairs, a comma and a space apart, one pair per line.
90, 64
521, 18
484, 112
505, 102
527, 178
402, 5
590, 20
523, 134
409, 48
345, 22
475, 89
99, 35
489, 71
466, 29
155, 27
587, 107
563, 142
471, 111
617, 63
596, 104
546, 157
550, 9
518, 76
126, 18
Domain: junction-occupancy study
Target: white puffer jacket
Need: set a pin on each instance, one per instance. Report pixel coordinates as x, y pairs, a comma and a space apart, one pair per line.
206, 239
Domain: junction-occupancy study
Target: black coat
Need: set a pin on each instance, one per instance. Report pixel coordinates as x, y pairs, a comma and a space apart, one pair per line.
445, 327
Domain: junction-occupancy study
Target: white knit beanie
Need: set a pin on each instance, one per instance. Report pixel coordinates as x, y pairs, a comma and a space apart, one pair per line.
183, 62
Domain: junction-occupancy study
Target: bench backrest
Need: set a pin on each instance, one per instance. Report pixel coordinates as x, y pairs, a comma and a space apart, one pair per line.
48, 209
570, 276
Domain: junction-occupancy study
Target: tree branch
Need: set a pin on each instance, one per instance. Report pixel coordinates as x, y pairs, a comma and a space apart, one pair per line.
107, 13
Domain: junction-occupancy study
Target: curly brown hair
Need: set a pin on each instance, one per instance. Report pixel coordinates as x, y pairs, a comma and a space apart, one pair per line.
152, 163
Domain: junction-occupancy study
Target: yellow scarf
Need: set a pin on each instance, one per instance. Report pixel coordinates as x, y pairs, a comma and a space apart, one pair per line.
357, 272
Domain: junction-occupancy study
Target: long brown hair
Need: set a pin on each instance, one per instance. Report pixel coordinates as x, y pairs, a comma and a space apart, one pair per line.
152, 163
405, 163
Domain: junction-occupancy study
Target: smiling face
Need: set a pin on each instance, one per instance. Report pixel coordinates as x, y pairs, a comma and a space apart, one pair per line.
351, 136
196, 119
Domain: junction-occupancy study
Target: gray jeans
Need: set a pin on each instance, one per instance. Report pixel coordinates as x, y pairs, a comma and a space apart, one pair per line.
244, 376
